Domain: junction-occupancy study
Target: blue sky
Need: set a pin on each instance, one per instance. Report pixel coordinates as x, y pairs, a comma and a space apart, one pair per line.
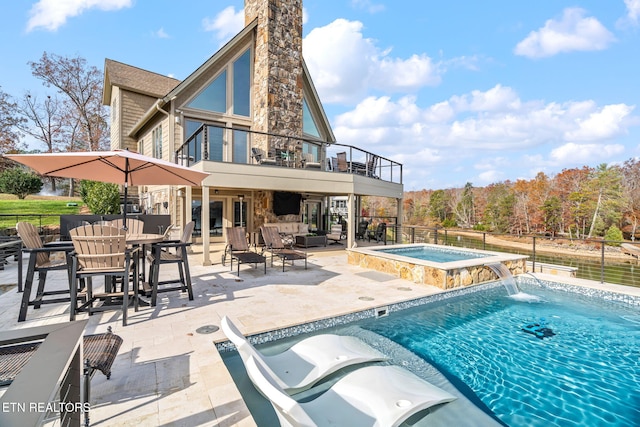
457, 91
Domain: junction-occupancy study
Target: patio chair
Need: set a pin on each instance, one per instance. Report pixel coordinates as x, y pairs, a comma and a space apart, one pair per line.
260, 158
372, 165
134, 226
171, 252
274, 245
336, 235
308, 161
102, 251
369, 396
306, 362
238, 248
379, 234
343, 165
41, 262
363, 226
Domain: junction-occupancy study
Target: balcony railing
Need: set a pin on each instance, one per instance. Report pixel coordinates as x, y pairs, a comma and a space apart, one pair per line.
290, 152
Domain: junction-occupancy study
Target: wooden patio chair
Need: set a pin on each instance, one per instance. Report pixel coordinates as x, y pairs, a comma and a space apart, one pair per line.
343, 165
238, 248
134, 226
41, 262
102, 251
171, 252
275, 246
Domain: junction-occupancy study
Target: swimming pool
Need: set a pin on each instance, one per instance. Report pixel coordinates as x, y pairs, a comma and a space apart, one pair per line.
443, 266
586, 374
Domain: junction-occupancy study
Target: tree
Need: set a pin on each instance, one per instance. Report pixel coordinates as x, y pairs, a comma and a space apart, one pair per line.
552, 208
100, 197
462, 204
605, 191
19, 182
9, 122
44, 122
438, 205
82, 86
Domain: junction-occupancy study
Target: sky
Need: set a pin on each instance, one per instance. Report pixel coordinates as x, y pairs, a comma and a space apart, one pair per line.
457, 91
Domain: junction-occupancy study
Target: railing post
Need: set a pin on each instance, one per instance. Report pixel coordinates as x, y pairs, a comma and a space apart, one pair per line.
602, 263
484, 241
413, 234
435, 237
533, 262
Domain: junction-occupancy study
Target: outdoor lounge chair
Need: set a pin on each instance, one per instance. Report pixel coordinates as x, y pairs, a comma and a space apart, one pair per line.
362, 229
383, 396
40, 261
274, 244
306, 362
237, 248
336, 235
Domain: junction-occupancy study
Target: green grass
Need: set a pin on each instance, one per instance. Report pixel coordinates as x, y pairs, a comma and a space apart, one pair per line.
30, 209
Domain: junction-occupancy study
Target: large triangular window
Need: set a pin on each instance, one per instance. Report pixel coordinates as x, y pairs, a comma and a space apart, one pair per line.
308, 123
214, 96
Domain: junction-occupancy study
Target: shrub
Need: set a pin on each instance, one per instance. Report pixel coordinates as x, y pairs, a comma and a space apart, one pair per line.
100, 197
19, 182
613, 234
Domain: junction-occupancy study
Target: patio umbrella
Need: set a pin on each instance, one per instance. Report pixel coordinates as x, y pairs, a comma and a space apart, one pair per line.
118, 167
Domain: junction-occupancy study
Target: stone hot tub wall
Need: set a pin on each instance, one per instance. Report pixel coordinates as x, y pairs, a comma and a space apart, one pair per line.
428, 275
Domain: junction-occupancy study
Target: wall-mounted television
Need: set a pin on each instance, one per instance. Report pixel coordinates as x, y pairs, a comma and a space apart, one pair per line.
285, 203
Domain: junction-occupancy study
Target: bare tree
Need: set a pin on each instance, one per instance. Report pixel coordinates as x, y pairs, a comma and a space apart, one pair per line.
82, 86
10, 119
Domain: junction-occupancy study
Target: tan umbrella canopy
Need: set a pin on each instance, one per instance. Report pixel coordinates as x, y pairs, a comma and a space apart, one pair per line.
118, 167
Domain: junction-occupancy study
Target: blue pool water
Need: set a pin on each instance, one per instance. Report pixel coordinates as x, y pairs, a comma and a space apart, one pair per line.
587, 374
429, 253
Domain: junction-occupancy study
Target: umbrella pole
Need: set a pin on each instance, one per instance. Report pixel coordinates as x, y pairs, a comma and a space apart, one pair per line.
124, 210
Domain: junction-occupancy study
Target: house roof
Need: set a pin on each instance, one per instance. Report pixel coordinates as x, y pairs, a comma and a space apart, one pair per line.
134, 79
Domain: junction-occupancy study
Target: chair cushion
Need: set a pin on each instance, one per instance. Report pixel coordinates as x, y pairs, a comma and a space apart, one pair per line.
303, 229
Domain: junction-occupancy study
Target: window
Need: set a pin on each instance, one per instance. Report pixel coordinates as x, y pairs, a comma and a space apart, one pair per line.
242, 84
156, 136
308, 124
214, 96
141, 146
240, 146
216, 143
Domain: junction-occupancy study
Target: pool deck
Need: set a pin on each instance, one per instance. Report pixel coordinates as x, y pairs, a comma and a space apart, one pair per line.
168, 374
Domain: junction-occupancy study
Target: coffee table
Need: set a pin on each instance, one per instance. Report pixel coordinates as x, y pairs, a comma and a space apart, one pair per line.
306, 241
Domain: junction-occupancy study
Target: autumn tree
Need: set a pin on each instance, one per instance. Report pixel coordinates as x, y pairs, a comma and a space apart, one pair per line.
9, 122
462, 206
631, 189
81, 86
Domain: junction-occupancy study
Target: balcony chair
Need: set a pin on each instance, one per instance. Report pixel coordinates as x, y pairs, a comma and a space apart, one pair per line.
336, 235
238, 248
40, 261
372, 165
102, 251
171, 252
342, 164
134, 226
369, 396
310, 360
275, 246
262, 159
308, 162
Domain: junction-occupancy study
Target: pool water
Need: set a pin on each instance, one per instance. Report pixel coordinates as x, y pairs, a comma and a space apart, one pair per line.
442, 254
587, 374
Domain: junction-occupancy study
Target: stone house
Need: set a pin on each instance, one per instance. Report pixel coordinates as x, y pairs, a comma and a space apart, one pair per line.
250, 116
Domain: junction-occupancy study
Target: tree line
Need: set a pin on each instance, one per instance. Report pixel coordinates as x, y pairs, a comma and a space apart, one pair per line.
581, 203
69, 117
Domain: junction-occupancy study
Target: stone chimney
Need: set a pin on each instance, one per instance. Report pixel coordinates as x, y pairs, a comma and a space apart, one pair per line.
277, 84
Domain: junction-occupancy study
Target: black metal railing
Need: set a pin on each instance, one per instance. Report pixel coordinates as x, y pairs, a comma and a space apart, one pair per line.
606, 261
287, 152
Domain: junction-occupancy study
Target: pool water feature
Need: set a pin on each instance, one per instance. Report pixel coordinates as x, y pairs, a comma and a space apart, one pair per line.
443, 266
586, 373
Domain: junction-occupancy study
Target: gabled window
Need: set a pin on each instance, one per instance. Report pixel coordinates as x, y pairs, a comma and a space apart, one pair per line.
214, 96
308, 123
156, 141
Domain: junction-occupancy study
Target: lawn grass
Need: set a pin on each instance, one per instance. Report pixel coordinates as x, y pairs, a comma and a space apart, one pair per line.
41, 210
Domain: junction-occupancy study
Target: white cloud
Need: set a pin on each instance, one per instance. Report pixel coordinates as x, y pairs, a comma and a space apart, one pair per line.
226, 24
345, 65
580, 154
574, 32
368, 5
161, 34
631, 19
605, 123
52, 14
